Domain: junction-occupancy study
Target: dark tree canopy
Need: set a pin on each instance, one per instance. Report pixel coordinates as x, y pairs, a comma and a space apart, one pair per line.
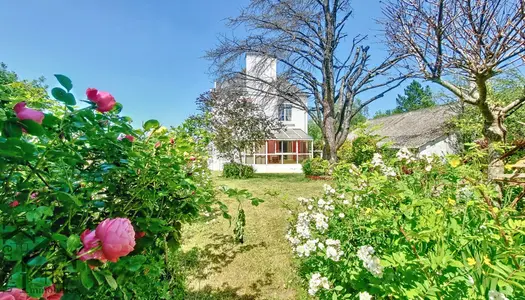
415, 97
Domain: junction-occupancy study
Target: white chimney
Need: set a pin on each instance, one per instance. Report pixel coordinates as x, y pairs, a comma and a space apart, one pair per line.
261, 66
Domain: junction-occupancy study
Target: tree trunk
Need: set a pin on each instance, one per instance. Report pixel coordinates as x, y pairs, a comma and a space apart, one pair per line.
330, 148
494, 131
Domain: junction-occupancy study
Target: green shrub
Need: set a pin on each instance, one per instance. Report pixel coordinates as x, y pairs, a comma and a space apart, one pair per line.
315, 167
237, 170
361, 149
409, 228
66, 173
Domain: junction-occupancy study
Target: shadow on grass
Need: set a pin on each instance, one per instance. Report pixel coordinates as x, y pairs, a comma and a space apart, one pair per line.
214, 256
226, 292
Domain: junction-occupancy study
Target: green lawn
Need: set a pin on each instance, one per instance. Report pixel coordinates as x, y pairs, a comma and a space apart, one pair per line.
262, 267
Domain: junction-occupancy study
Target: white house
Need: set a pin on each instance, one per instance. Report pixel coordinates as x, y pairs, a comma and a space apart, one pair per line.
290, 146
424, 131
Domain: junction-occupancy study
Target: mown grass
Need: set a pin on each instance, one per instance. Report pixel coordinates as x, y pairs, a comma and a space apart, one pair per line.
260, 268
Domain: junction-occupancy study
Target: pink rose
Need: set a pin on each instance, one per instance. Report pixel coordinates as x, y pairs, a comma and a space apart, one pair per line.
157, 144
51, 294
104, 100
90, 241
14, 294
14, 203
117, 238
24, 113
34, 195
130, 138
192, 158
172, 141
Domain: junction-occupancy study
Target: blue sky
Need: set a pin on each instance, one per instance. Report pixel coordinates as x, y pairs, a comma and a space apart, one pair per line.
148, 54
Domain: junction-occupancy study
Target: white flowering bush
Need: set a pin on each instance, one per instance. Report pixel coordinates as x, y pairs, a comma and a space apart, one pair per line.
408, 227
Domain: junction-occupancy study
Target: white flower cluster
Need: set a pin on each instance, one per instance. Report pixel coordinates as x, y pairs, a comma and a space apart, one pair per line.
316, 283
495, 295
302, 228
328, 189
377, 161
305, 249
333, 249
365, 296
321, 221
405, 154
370, 262
325, 204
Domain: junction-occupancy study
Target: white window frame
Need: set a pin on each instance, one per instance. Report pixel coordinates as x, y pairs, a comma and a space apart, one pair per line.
285, 112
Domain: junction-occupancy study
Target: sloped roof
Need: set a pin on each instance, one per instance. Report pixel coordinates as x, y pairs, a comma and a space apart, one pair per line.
291, 134
416, 128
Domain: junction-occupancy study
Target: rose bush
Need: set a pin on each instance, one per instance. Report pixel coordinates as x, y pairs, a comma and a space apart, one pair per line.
92, 208
412, 228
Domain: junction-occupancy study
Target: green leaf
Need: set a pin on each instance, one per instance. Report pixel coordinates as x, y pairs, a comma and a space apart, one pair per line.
50, 120
111, 281
73, 242
33, 127
86, 277
68, 198
37, 261
63, 96
151, 124
12, 129
134, 263
64, 81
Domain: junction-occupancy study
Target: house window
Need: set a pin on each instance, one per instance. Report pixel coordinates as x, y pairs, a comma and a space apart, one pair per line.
285, 112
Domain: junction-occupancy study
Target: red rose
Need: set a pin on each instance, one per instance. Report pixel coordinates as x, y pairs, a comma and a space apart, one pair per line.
24, 113
14, 203
104, 100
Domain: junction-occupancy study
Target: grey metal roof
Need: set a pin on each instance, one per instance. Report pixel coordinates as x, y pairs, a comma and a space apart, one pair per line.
413, 129
293, 134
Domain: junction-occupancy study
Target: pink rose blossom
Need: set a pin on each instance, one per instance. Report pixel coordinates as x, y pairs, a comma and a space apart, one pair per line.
104, 100
24, 113
14, 203
90, 241
192, 158
14, 294
117, 238
157, 144
130, 138
34, 195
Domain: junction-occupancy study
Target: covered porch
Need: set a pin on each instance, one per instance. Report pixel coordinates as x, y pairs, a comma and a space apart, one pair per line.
283, 154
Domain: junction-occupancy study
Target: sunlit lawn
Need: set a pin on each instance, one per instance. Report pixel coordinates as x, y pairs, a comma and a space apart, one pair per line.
262, 267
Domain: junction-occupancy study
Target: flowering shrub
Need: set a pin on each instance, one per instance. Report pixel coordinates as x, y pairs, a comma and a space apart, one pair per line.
91, 207
411, 228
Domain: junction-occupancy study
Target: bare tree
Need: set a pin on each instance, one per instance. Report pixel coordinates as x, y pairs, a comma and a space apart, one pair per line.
474, 40
316, 58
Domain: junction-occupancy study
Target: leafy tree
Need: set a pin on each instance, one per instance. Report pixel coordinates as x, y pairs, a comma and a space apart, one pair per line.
13, 90
237, 123
473, 40
315, 54
416, 97
501, 91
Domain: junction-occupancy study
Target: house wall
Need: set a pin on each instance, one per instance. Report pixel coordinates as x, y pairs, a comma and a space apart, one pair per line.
442, 146
278, 168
